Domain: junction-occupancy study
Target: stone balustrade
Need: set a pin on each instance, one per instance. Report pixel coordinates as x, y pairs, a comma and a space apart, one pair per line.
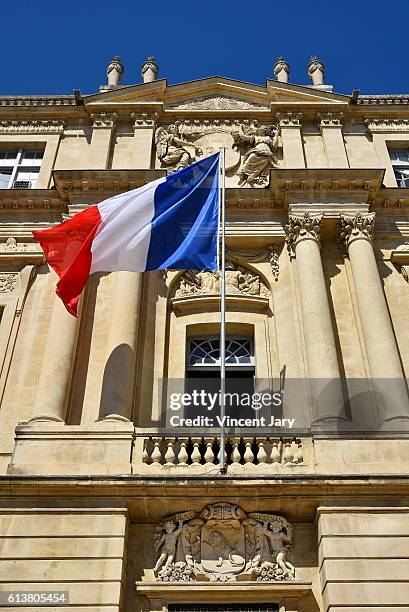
203, 453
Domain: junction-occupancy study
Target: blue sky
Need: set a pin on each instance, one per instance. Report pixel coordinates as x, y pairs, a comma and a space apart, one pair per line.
57, 46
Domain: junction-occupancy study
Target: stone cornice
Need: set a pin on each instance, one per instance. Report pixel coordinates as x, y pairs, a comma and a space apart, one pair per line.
104, 182
385, 124
310, 184
41, 126
68, 100
26, 199
386, 99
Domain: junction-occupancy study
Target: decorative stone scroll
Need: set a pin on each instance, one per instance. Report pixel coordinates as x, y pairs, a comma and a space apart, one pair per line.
354, 227
400, 257
302, 227
239, 280
223, 543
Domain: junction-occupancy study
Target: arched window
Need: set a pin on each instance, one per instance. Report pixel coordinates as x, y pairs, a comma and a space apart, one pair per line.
206, 352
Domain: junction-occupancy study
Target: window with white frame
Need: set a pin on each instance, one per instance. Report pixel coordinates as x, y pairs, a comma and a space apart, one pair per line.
400, 164
19, 168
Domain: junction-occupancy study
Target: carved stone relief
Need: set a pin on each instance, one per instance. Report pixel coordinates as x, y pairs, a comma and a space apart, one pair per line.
217, 102
8, 281
223, 543
250, 149
239, 280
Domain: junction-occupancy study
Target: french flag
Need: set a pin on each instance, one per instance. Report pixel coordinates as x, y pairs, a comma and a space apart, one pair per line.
171, 223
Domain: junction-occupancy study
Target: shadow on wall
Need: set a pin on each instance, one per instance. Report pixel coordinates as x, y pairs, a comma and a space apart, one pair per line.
116, 393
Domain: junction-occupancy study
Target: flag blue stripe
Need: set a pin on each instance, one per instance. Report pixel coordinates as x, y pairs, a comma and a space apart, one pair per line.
184, 232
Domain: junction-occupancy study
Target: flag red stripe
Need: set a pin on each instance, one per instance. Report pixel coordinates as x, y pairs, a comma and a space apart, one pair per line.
67, 248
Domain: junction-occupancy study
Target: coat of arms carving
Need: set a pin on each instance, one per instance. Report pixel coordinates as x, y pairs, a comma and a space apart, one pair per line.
223, 543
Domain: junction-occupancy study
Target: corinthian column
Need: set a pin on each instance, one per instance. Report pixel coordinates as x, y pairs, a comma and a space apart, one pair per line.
356, 231
119, 375
55, 376
303, 238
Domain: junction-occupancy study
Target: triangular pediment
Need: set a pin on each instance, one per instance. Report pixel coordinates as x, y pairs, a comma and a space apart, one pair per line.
214, 94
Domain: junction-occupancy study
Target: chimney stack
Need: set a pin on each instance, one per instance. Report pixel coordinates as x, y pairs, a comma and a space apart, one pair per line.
149, 70
281, 70
316, 71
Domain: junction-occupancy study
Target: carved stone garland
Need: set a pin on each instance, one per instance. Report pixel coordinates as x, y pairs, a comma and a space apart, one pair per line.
223, 543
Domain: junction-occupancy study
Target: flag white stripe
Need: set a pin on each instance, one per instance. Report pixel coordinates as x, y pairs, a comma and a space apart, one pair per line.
123, 238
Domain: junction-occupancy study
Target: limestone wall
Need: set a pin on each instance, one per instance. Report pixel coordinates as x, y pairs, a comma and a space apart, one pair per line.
65, 549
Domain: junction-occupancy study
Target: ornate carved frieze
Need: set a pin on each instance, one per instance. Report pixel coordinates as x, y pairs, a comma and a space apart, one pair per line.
8, 281
289, 119
354, 227
216, 102
32, 126
104, 120
387, 125
223, 543
302, 227
239, 280
330, 119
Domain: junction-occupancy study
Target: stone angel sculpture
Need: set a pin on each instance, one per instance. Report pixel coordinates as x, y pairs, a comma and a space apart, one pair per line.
167, 543
170, 148
264, 142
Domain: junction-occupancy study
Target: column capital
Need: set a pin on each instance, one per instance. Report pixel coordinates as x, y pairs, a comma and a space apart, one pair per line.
289, 119
355, 227
104, 120
330, 119
144, 120
303, 227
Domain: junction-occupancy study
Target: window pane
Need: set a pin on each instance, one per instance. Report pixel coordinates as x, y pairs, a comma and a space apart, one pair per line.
5, 174
28, 175
402, 177
7, 158
32, 158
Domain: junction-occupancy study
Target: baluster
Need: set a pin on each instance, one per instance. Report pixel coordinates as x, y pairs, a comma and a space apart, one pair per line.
299, 456
294, 449
196, 456
183, 456
145, 454
248, 453
261, 455
225, 456
235, 456
170, 454
156, 453
288, 455
275, 453
209, 454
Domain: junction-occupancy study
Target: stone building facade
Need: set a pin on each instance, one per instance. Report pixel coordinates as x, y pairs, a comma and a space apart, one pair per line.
97, 497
